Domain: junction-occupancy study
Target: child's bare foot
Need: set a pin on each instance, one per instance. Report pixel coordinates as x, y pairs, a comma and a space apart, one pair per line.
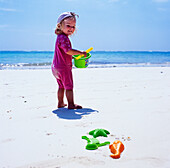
61, 105
74, 106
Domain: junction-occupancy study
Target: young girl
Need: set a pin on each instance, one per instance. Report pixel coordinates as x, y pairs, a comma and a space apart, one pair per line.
62, 62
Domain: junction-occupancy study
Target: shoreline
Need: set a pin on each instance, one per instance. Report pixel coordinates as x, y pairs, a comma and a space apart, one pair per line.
25, 67
127, 101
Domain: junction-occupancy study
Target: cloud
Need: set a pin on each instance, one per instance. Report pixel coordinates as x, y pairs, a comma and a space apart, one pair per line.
113, 0
3, 26
160, 1
162, 9
8, 10
6, 1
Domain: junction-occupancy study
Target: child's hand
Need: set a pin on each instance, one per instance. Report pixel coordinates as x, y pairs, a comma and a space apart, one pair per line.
84, 53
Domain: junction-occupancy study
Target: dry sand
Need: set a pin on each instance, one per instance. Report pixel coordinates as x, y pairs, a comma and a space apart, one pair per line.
129, 102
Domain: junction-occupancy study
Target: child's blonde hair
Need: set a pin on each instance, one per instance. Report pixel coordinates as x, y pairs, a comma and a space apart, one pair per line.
58, 27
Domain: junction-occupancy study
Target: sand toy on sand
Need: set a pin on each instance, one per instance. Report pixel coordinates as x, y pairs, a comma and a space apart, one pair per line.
93, 143
116, 148
99, 132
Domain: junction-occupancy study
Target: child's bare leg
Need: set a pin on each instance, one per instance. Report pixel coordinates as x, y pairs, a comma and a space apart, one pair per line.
61, 98
70, 99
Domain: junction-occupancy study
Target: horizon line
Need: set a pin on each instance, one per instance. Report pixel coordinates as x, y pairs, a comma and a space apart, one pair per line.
91, 51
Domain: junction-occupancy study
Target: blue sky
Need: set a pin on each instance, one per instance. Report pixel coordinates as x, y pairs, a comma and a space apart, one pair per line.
117, 25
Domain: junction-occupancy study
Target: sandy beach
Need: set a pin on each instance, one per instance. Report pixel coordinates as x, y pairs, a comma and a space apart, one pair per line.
132, 103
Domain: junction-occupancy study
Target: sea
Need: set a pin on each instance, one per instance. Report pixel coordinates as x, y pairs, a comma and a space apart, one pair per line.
99, 59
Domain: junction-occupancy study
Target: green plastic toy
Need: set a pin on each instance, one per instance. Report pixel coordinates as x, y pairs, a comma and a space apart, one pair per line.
81, 62
93, 143
99, 132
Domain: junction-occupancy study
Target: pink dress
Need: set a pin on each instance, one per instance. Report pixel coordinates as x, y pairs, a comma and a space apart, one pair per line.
62, 62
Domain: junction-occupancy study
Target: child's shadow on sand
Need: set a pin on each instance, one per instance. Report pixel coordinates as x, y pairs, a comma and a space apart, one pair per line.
76, 114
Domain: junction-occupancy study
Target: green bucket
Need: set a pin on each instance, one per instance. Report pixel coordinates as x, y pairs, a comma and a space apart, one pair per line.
82, 62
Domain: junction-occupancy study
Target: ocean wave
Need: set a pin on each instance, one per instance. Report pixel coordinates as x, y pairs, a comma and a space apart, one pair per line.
25, 66
98, 65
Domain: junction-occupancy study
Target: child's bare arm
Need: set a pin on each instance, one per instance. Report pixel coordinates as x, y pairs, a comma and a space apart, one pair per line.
76, 52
